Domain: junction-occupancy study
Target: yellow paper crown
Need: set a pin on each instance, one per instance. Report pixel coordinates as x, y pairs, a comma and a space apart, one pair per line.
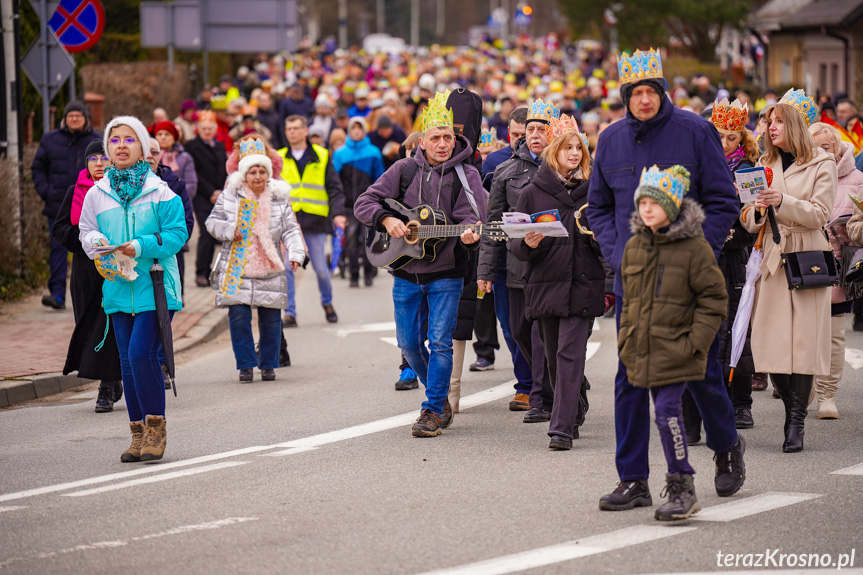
642, 65
436, 114
729, 117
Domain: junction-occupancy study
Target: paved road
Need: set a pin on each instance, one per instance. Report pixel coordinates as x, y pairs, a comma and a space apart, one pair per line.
317, 473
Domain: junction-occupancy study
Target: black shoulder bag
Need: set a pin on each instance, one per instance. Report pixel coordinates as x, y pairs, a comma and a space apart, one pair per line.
806, 270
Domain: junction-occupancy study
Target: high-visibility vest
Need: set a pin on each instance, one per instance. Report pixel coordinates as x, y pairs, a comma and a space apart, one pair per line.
309, 193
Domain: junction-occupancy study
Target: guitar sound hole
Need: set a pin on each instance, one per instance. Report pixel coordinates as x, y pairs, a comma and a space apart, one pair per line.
413, 234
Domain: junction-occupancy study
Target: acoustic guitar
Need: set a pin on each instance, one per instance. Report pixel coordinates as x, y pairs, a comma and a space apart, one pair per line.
427, 227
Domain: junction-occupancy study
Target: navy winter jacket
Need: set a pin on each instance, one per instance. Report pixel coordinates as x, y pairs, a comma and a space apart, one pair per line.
492, 161
672, 137
178, 186
59, 160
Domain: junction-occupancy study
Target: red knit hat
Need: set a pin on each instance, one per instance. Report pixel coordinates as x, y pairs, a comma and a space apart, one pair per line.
168, 126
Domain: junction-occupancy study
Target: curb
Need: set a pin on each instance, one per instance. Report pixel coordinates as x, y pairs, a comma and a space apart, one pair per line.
14, 391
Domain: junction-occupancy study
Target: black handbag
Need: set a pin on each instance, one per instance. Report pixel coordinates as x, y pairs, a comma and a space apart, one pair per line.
806, 270
854, 269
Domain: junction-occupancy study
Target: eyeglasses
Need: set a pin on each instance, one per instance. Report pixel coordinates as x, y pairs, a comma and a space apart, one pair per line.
105, 159
75, 115
128, 141
154, 154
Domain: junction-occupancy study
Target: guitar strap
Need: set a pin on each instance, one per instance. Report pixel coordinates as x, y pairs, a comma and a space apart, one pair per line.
459, 170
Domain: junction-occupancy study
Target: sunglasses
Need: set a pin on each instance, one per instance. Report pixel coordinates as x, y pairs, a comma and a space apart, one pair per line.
105, 159
128, 140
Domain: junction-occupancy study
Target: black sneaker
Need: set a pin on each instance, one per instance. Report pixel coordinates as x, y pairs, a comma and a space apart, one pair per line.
536, 415
54, 303
693, 437
284, 356
247, 375
743, 418
428, 425
105, 399
407, 380
355, 282
481, 364
560, 443
681, 498
629, 494
268, 374
330, 312
118, 390
730, 469
446, 418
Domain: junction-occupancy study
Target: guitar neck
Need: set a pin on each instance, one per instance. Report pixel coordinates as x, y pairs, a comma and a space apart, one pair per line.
451, 231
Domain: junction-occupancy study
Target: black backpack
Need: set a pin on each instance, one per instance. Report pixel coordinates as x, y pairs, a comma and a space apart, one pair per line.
467, 114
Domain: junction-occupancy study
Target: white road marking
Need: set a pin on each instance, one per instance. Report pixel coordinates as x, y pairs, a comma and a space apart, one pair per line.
752, 505
853, 470
566, 551
854, 357
123, 542
288, 448
156, 478
12, 508
390, 340
124, 474
366, 327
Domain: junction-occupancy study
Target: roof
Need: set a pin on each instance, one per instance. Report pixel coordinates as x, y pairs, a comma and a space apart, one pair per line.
841, 13
773, 13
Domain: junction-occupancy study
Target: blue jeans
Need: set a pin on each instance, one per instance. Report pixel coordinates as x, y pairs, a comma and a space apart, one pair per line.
139, 344
437, 301
269, 330
520, 366
632, 414
317, 244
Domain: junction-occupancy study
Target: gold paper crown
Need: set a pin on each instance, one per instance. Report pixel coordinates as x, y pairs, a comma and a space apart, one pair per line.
640, 66
436, 114
252, 146
219, 103
564, 126
488, 138
730, 117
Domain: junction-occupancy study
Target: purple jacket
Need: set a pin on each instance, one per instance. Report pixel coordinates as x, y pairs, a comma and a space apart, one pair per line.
431, 186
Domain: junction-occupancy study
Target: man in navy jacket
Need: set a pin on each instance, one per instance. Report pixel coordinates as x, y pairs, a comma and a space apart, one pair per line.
655, 132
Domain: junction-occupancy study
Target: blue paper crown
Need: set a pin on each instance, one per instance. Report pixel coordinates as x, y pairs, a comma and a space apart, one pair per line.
674, 181
642, 65
803, 103
543, 111
488, 137
252, 146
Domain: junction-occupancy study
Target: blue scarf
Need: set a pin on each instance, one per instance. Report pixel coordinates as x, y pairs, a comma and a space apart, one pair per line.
128, 182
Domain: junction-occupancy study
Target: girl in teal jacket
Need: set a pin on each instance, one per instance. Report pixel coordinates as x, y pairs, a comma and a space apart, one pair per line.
130, 207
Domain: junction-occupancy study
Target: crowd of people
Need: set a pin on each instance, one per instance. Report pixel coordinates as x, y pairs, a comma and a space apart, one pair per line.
641, 174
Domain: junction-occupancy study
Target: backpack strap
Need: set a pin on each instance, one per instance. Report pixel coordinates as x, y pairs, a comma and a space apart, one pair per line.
405, 179
459, 170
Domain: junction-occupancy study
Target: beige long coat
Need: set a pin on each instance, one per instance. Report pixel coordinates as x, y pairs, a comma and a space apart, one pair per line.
791, 329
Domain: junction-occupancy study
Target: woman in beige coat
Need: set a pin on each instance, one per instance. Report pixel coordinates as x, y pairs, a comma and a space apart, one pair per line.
791, 329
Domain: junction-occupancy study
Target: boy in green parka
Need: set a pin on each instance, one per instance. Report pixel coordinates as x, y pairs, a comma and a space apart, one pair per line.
674, 301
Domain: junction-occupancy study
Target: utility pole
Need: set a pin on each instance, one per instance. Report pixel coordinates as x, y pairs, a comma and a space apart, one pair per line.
12, 101
441, 20
381, 17
343, 24
415, 22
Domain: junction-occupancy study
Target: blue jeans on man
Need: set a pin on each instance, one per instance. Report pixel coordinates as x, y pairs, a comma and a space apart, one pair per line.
58, 264
317, 254
437, 301
632, 414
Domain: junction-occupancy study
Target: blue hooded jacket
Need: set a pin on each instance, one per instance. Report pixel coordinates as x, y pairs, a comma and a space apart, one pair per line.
671, 137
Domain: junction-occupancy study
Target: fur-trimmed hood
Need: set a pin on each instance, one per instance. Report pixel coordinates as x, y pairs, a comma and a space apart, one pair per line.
279, 189
688, 224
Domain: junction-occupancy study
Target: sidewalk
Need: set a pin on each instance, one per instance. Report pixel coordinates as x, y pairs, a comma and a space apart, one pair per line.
35, 338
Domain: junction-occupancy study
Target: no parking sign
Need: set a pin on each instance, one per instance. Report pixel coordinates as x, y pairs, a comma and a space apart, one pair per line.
78, 24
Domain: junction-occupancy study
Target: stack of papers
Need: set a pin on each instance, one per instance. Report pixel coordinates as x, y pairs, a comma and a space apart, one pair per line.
518, 224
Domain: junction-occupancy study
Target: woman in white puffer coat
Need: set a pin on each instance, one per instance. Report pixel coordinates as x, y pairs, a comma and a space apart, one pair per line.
253, 219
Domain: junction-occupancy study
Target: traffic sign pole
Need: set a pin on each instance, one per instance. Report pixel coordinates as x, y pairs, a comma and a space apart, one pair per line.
43, 46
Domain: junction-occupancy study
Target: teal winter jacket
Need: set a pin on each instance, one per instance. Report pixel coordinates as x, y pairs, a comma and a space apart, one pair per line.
155, 223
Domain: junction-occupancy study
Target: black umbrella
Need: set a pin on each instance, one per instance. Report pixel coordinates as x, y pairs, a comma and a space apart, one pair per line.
163, 316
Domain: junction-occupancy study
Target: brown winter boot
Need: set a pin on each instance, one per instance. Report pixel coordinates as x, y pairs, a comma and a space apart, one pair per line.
134, 451
155, 437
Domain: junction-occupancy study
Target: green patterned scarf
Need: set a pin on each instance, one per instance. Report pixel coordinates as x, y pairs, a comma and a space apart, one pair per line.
127, 183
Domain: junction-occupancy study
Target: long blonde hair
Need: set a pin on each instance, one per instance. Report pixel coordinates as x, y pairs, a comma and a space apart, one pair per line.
549, 154
795, 133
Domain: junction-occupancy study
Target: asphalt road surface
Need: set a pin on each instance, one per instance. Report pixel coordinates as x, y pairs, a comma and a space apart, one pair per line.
317, 473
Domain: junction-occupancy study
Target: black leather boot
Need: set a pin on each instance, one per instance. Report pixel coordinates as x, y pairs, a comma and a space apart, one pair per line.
782, 384
800, 388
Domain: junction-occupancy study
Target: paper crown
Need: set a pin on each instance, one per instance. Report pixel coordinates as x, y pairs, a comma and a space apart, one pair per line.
730, 117
565, 125
252, 146
488, 138
804, 104
640, 66
219, 103
674, 182
207, 116
436, 114
542, 111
